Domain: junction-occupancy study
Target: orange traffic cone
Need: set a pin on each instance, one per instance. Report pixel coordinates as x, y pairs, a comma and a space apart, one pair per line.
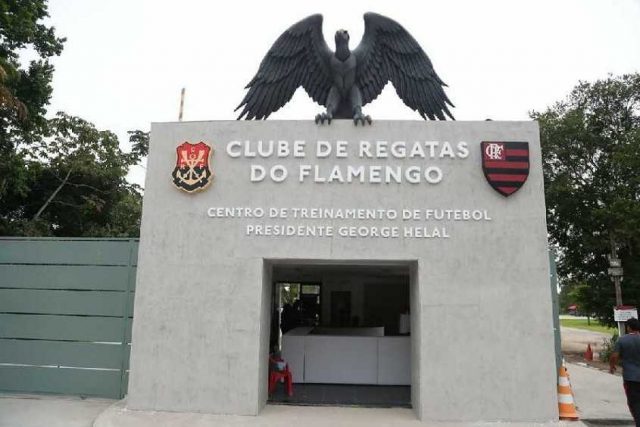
588, 355
566, 406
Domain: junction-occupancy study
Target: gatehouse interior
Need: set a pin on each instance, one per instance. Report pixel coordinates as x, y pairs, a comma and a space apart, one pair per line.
342, 331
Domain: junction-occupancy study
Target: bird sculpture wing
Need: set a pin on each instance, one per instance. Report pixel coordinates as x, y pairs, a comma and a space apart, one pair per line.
300, 57
388, 52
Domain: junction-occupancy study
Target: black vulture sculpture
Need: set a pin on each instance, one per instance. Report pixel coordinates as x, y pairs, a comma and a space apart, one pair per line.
345, 80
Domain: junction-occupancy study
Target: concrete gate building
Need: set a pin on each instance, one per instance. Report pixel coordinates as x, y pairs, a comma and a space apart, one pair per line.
410, 269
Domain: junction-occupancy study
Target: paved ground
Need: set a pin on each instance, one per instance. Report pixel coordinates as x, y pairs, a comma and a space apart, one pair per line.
61, 411
281, 415
49, 411
576, 340
598, 394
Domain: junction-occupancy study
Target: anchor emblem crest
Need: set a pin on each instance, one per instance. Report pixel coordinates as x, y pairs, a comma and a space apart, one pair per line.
192, 172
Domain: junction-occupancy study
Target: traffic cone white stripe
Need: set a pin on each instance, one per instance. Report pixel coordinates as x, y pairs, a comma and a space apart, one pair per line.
565, 398
566, 405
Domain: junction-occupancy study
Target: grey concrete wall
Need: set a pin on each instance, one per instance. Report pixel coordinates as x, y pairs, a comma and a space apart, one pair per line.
416, 340
265, 330
482, 310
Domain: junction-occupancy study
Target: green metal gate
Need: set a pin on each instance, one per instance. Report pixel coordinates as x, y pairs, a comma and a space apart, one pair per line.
66, 307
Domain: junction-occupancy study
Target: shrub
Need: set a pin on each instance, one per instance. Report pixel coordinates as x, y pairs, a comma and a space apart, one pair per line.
607, 347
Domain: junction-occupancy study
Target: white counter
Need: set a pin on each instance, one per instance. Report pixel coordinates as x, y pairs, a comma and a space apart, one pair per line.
361, 358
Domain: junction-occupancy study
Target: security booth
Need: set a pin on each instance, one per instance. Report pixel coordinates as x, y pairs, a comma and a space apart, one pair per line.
400, 250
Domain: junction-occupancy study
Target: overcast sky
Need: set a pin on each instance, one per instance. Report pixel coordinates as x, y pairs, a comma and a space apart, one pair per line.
125, 61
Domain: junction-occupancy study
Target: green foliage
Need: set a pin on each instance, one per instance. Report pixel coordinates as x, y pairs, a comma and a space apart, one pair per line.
24, 91
608, 344
59, 176
290, 293
21, 27
139, 143
76, 181
581, 294
591, 158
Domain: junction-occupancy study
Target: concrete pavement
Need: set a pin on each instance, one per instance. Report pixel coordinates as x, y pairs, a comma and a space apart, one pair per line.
66, 411
24, 410
280, 415
599, 396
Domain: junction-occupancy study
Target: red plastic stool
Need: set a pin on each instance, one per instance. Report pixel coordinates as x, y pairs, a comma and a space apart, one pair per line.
275, 376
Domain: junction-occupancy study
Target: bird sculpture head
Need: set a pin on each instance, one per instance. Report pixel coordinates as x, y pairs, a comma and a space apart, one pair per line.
342, 45
342, 37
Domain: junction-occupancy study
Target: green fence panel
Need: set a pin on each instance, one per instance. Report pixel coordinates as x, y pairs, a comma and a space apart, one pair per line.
80, 277
85, 252
37, 379
36, 301
61, 353
66, 308
134, 253
127, 358
131, 297
132, 280
128, 328
53, 327
125, 380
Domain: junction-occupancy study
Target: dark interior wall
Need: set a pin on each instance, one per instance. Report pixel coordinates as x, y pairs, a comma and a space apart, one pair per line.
383, 303
375, 301
378, 294
335, 286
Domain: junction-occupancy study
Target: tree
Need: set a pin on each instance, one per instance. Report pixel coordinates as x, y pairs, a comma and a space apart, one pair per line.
582, 295
591, 163
59, 176
24, 91
77, 184
8, 100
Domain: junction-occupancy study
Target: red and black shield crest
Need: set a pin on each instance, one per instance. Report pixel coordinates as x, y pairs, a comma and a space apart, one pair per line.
505, 165
192, 172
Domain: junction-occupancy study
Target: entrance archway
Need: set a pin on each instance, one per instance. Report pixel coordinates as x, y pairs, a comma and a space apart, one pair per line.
344, 329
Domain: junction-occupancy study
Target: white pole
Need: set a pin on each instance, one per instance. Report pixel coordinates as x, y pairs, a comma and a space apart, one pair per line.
181, 104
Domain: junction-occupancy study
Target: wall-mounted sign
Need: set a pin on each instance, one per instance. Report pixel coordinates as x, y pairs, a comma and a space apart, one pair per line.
354, 160
192, 172
505, 165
